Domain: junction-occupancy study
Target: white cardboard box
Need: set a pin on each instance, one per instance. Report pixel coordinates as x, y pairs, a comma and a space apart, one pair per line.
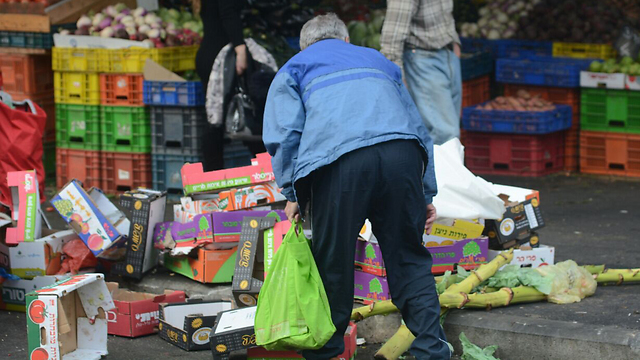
536, 257
602, 80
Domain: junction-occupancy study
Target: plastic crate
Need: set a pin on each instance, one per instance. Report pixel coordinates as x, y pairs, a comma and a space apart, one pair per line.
125, 129
514, 154
78, 126
31, 40
584, 51
121, 89
517, 122
543, 71
166, 171
77, 88
506, 48
572, 149
26, 75
475, 65
177, 130
607, 153
556, 95
176, 93
82, 165
77, 59
125, 171
132, 60
236, 155
610, 110
476, 91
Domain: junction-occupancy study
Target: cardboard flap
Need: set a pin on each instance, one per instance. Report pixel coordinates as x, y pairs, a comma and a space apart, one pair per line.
175, 314
92, 336
155, 72
236, 319
95, 296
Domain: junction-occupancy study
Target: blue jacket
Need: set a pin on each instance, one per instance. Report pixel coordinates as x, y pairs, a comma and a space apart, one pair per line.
333, 98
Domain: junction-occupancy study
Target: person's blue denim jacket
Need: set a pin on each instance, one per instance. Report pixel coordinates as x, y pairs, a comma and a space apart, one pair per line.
333, 98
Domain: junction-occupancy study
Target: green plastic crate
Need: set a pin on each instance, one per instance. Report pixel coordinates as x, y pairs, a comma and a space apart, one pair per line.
78, 126
610, 110
125, 129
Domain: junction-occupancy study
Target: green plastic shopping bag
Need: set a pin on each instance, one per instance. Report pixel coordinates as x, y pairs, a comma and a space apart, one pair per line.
293, 310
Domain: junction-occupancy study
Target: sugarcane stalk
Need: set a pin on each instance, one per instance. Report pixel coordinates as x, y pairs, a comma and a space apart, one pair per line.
505, 297
385, 307
481, 274
618, 276
399, 343
594, 269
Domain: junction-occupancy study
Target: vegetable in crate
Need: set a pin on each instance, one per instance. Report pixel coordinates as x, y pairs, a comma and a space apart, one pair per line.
626, 65
367, 33
498, 19
522, 102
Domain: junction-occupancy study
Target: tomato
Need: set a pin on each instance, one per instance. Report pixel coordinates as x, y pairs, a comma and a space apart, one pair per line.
39, 354
37, 311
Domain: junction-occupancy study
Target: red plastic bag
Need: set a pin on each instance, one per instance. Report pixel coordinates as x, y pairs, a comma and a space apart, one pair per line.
21, 134
78, 256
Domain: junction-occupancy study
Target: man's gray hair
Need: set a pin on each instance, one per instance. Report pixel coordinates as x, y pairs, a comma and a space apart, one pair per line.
322, 27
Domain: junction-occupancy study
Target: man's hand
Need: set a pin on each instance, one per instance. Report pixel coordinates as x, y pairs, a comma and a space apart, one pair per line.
241, 58
457, 50
293, 211
431, 217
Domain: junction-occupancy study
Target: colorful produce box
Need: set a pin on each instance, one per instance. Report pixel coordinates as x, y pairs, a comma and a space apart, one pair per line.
446, 231
234, 199
233, 331
369, 258
469, 253
188, 325
517, 222
209, 266
195, 180
14, 292
136, 314
534, 257
96, 220
58, 325
25, 198
369, 287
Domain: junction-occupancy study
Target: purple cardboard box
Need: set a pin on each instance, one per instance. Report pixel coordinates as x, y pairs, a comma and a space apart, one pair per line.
369, 287
369, 258
228, 225
469, 253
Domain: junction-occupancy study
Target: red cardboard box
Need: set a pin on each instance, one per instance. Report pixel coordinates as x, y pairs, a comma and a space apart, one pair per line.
350, 346
195, 180
136, 313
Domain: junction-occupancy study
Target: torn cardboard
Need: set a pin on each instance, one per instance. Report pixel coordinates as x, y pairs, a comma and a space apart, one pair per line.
153, 71
189, 325
14, 292
234, 330
25, 198
207, 266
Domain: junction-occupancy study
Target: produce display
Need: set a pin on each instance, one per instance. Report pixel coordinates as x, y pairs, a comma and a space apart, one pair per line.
167, 27
465, 11
522, 102
626, 65
367, 33
499, 19
579, 21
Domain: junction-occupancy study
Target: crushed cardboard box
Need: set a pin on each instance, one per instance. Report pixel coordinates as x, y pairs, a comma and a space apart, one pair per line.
14, 292
207, 266
234, 330
188, 325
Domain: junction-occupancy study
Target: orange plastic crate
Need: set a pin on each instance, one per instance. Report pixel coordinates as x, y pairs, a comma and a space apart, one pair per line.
608, 153
125, 171
26, 76
82, 165
476, 91
121, 89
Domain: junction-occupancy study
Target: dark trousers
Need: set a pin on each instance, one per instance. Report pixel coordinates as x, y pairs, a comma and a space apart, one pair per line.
382, 182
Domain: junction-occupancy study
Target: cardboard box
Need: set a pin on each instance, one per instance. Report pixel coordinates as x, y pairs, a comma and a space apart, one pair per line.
195, 180
366, 232
447, 231
144, 208
235, 199
469, 253
369, 258
64, 321
208, 266
38, 258
602, 80
233, 331
517, 222
350, 347
369, 287
272, 241
531, 239
248, 275
99, 223
188, 325
137, 314
25, 198
632, 82
14, 292
534, 257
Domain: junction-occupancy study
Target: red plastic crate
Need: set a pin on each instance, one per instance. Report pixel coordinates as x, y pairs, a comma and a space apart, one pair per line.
476, 91
514, 154
25, 76
82, 165
125, 171
572, 149
608, 153
121, 89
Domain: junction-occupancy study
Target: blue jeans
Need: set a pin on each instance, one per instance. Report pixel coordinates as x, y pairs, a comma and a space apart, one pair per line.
435, 83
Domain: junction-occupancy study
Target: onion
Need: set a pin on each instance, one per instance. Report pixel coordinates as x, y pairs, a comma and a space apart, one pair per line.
84, 21
107, 32
139, 11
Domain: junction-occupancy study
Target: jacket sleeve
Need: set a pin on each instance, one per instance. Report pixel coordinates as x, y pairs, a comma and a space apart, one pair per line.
396, 28
429, 178
284, 118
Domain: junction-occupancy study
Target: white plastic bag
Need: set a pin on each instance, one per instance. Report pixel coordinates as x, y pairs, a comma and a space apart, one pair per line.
461, 194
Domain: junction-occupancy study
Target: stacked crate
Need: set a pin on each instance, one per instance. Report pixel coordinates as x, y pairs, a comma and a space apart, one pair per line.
475, 68
178, 120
